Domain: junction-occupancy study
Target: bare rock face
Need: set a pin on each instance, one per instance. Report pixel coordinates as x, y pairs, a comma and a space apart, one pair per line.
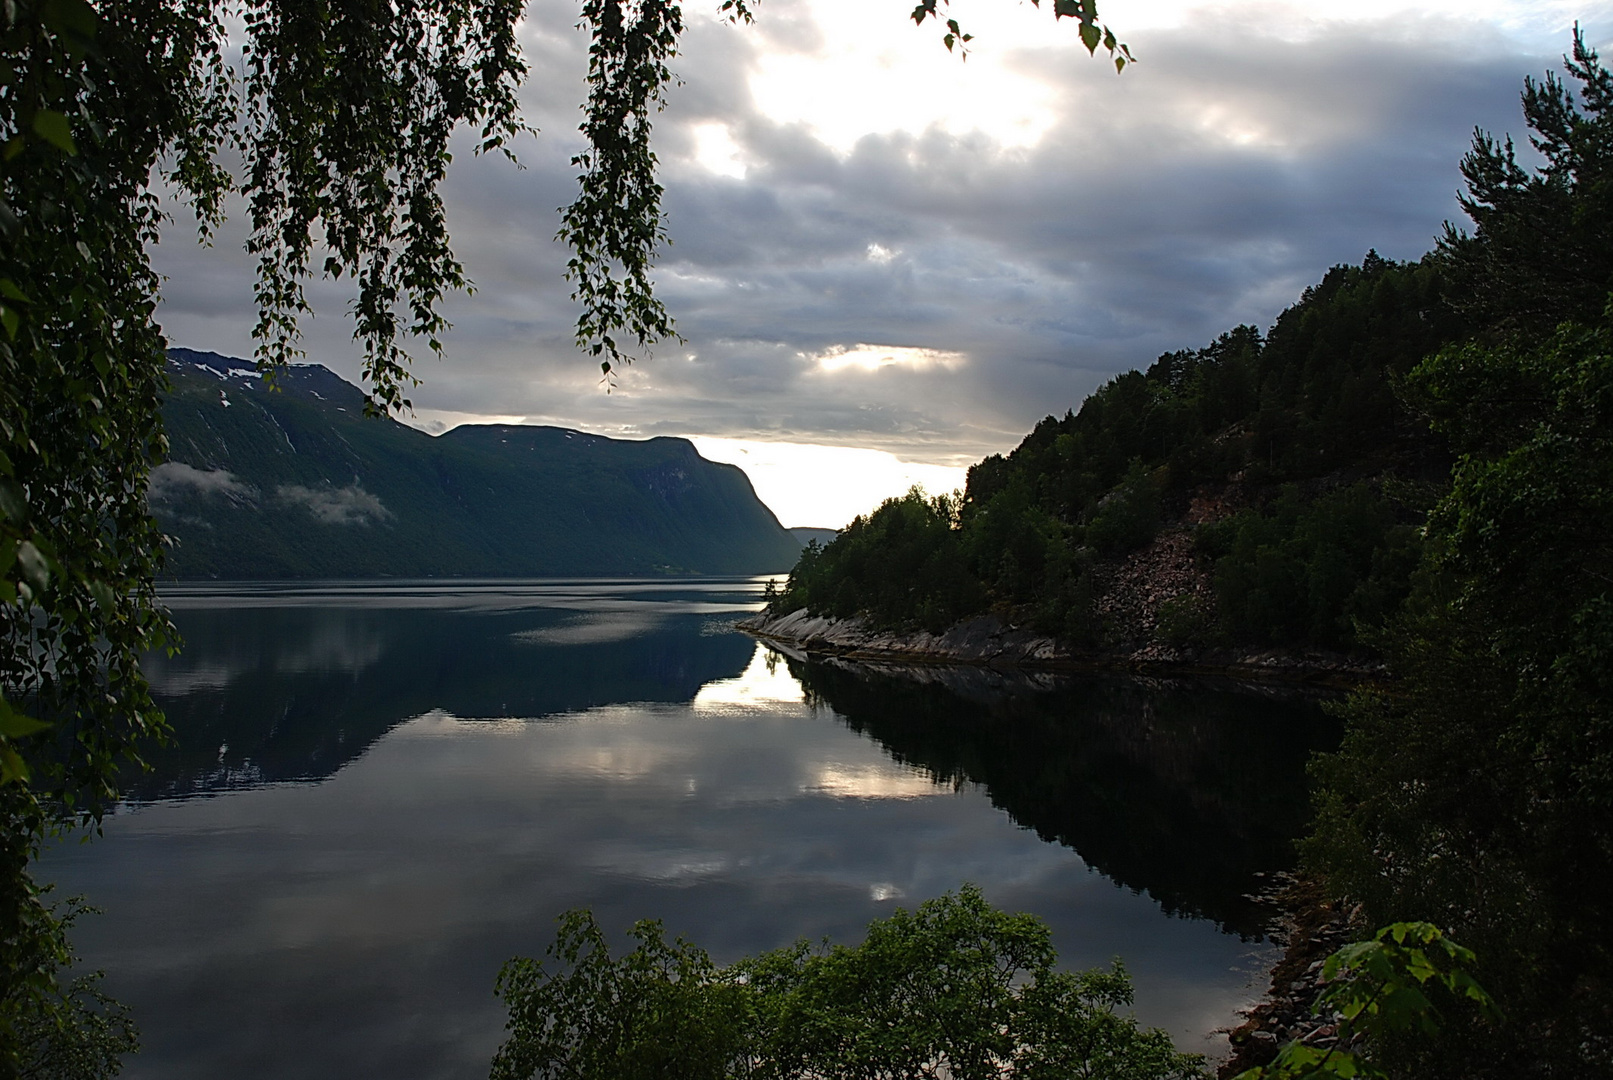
1135, 593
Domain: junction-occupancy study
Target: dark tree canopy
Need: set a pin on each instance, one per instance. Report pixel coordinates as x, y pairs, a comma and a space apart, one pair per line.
1480, 792
1542, 247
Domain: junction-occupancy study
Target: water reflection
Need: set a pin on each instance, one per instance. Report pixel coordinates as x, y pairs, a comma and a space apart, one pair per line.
283, 684
764, 682
408, 788
1188, 791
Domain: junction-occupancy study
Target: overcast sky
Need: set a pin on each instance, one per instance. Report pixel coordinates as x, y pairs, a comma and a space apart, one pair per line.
910, 259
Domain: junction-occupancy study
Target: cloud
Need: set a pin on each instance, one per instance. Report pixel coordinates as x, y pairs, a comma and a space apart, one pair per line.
1105, 220
350, 505
173, 479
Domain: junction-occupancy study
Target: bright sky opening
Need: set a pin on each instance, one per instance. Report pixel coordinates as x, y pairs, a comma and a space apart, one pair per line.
825, 486
874, 357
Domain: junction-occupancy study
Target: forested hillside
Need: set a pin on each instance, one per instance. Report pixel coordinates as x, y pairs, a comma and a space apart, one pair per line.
1284, 459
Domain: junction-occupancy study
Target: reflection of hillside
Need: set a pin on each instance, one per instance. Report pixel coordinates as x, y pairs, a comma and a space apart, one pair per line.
276, 694
1183, 791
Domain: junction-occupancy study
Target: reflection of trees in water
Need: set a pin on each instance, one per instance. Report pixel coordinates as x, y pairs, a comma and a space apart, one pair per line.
1185, 791
252, 702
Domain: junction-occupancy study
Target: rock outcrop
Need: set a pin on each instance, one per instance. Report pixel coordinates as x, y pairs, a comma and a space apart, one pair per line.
989, 641
985, 640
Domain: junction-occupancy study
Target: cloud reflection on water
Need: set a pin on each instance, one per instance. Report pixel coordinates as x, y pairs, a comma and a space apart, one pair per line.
763, 682
460, 791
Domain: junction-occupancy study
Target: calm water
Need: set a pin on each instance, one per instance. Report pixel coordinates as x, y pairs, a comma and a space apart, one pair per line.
379, 793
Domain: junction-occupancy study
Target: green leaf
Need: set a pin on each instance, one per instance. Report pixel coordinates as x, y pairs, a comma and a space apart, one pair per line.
1090, 36
15, 725
12, 503
12, 767
52, 126
74, 17
35, 568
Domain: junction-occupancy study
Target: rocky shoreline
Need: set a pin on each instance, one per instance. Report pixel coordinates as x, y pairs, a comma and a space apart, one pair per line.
989, 641
1137, 600
1313, 928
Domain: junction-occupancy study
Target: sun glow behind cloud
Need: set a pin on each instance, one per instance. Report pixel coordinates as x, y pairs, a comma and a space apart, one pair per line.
717, 152
874, 357
874, 73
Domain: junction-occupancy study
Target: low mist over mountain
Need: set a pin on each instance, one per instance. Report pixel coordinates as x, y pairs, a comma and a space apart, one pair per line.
297, 482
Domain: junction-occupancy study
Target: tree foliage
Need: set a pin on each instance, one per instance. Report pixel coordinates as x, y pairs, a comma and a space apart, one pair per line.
878, 562
342, 117
73, 1030
78, 430
1377, 991
1311, 571
1476, 790
954, 988
1541, 252
1479, 794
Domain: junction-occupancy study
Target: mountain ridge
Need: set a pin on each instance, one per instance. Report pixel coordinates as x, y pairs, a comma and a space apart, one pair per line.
296, 482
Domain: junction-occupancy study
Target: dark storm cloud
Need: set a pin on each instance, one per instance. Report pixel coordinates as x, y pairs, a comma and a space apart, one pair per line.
1203, 188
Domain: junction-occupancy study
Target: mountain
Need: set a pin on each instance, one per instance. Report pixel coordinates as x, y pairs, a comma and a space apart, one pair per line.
294, 481
806, 534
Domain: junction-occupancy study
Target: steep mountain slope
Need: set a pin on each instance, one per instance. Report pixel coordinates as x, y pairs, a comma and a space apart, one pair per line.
294, 481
